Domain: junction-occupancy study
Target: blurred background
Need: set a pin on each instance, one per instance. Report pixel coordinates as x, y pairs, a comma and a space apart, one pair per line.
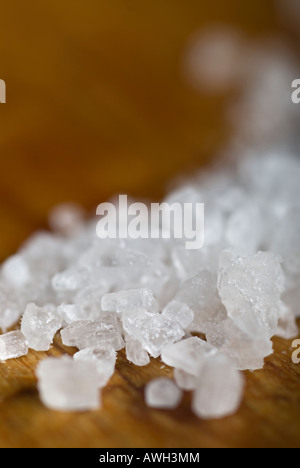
98, 101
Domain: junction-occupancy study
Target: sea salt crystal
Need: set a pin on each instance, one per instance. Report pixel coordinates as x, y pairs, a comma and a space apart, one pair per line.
285, 241
66, 384
159, 331
12, 345
200, 294
179, 312
162, 393
10, 310
15, 271
135, 352
131, 299
70, 280
184, 380
133, 320
250, 288
76, 312
87, 334
39, 325
245, 229
188, 355
104, 356
219, 389
246, 351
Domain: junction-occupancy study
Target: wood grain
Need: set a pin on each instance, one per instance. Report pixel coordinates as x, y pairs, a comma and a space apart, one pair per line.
96, 104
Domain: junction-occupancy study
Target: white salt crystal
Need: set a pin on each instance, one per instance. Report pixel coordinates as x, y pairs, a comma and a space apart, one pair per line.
159, 331
39, 325
87, 334
250, 288
219, 389
130, 299
179, 312
12, 345
10, 310
184, 380
104, 356
133, 320
285, 241
198, 292
246, 351
162, 394
15, 271
245, 229
69, 280
188, 355
66, 384
201, 295
135, 352
75, 312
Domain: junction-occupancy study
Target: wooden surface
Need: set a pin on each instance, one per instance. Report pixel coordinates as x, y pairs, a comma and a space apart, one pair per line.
96, 104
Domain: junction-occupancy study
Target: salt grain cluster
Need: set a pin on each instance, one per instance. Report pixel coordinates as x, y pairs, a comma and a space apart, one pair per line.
152, 297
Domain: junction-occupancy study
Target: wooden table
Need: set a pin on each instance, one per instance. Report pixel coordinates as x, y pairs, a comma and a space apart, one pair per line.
96, 104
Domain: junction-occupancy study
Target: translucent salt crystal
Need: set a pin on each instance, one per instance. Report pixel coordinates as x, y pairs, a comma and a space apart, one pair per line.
184, 380
189, 263
188, 355
39, 325
232, 199
45, 254
247, 352
70, 280
179, 312
201, 295
245, 229
164, 285
10, 310
74, 312
66, 384
133, 320
67, 218
285, 241
214, 227
219, 389
90, 295
162, 394
118, 257
12, 345
135, 352
130, 299
198, 292
15, 271
250, 288
104, 356
159, 331
87, 334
